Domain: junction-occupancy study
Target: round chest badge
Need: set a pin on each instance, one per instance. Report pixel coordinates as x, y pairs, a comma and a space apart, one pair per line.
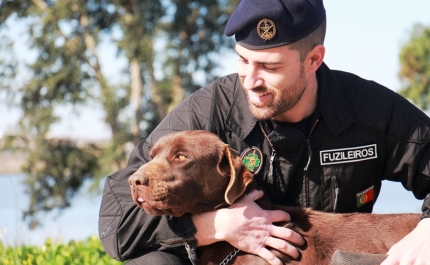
266, 29
252, 159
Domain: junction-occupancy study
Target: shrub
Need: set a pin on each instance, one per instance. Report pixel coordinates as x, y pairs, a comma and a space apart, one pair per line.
88, 252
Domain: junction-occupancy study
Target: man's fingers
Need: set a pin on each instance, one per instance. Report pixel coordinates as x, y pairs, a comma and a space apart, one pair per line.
287, 234
279, 216
268, 256
283, 246
282, 232
255, 195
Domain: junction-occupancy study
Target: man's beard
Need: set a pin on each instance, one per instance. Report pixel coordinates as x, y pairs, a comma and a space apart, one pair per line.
282, 102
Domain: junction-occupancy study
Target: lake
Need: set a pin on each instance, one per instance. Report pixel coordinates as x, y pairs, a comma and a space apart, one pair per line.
77, 222
81, 220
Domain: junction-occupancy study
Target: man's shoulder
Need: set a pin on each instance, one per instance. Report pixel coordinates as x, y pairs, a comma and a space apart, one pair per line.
228, 84
352, 81
374, 105
223, 91
361, 91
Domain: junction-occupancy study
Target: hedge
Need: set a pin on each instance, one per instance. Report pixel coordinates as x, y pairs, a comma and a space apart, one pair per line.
87, 252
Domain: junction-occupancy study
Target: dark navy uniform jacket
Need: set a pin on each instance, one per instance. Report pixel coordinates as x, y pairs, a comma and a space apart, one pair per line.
360, 134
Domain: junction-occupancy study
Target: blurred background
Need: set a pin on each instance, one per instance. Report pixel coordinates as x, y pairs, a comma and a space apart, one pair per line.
81, 82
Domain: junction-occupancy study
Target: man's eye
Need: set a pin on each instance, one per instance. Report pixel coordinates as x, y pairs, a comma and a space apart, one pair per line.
241, 60
270, 68
181, 157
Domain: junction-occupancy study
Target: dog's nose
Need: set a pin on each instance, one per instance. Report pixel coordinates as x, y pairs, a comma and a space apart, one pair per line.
138, 179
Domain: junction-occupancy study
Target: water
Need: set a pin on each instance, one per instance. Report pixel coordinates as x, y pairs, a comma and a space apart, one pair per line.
80, 220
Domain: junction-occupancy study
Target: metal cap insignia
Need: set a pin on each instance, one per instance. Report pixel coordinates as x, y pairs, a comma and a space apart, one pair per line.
252, 159
266, 29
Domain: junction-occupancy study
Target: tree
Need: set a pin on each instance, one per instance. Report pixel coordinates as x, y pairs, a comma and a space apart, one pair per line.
415, 67
68, 36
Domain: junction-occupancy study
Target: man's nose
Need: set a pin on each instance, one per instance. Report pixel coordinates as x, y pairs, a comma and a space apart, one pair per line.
251, 77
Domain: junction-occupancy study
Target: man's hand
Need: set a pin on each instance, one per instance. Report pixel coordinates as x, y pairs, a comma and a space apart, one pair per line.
413, 249
249, 228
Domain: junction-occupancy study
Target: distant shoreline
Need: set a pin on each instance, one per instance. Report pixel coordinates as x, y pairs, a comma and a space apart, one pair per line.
11, 162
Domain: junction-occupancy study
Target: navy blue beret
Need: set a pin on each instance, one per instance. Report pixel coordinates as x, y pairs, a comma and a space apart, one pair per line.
263, 24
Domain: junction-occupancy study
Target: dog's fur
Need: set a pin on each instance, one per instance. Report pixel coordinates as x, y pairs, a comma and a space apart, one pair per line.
194, 171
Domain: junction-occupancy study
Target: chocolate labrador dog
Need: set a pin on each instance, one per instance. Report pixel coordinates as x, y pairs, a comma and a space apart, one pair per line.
194, 172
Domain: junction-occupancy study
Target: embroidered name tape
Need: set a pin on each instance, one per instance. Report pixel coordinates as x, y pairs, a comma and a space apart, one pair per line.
348, 155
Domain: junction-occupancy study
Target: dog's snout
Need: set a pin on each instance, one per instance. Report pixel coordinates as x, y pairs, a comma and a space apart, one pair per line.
138, 179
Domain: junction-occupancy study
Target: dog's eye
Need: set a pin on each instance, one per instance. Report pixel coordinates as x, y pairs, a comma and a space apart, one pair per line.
181, 157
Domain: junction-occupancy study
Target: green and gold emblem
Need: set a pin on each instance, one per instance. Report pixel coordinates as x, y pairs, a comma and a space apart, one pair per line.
252, 159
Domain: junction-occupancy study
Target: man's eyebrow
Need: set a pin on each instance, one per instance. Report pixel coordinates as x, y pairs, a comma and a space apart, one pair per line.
239, 54
258, 62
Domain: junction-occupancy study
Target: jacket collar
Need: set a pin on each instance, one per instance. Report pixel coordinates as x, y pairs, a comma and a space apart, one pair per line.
240, 119
332, 106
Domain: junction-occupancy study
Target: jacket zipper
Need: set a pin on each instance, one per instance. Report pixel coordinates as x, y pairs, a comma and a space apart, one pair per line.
305, 170
336, 192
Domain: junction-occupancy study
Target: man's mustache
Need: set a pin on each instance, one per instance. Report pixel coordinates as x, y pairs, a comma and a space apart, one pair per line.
258, 89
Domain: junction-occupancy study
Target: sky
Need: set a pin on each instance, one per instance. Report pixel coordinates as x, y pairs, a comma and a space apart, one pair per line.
363, 37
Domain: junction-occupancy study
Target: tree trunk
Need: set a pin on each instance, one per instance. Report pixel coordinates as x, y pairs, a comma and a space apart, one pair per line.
136, 98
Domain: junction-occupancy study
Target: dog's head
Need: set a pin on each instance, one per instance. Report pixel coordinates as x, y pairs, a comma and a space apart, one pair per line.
190, 172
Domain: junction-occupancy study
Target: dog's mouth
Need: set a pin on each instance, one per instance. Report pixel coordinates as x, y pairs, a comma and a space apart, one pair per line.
157, 199
157, 207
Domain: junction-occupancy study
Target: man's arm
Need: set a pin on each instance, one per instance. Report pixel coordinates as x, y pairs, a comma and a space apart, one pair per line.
125, 230
408, 161
413, 248
411, 165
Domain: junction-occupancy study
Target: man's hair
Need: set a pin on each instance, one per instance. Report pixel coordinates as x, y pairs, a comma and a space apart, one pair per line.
305, 45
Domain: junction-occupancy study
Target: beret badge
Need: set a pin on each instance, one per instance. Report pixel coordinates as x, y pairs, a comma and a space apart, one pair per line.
266, 29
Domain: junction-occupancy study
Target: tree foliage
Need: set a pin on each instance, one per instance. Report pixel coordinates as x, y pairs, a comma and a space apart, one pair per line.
73, 163
415, 67
166, 44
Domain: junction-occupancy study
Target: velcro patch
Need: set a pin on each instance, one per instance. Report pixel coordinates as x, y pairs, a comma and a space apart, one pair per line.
252, 158
348, 155
364, 197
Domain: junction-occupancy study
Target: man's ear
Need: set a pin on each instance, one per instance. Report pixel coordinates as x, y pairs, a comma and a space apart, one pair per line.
315, 58
240, 177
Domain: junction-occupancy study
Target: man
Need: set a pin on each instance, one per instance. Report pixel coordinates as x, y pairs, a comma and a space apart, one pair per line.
326, 140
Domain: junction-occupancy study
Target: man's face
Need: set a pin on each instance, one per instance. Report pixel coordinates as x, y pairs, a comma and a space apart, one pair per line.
273, 79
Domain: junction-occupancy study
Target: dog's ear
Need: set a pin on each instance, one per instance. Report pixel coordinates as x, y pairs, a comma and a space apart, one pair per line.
239, 176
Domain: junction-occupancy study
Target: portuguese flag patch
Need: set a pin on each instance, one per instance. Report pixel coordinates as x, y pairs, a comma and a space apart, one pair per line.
365, 197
